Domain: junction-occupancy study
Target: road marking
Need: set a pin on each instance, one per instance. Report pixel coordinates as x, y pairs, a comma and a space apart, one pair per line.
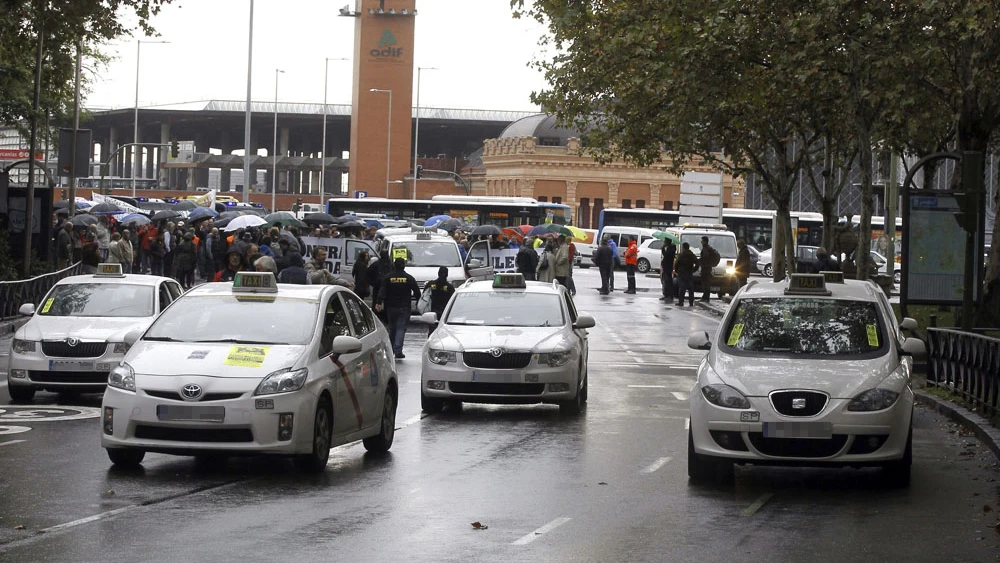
656, 465
687, 423
648, 386
680, 396
11, 442
410, 421
541, 531
13, 429
757, 505
46, 413
3, 383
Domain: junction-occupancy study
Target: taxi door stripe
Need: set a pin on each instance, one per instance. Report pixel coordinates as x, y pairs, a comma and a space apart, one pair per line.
350, 391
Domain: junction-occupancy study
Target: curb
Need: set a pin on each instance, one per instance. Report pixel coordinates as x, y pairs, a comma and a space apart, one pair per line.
970, 420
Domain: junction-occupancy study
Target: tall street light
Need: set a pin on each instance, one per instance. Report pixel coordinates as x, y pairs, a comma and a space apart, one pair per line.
247, 181
274, 173
322, 166
416, 129
388, 139
136, 150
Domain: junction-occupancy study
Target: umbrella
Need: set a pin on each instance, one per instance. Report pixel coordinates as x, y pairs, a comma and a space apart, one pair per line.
557, 229
244, 222
436, 219
320, 219
136, 218
487, 230
524, 229
83, 220
664, 235
373, 223
451, 224
106, 208
201, 213
165, 214
537, 231
578, 233
350, 224
283, 217
185, 205
513, 233
64, 204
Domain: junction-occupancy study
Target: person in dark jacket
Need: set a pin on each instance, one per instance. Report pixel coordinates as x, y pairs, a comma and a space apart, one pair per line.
398, 288
685, 267
234, 263
360, 273
527, 260
441, 291
604, 258
707, 260
742, 265
294, 272
668, 253
186, 261
377, 273
824, 262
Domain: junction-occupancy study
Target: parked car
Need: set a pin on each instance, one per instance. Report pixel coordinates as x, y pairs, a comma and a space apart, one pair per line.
883, 266
804, 258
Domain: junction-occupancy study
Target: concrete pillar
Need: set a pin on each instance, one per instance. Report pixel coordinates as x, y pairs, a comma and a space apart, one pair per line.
149, 167
164, 154
225, 177
198, 178
283, 134
314, 183
612, 200
126, 162
109, 149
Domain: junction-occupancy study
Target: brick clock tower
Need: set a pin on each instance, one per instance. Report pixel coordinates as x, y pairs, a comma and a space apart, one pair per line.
383, 73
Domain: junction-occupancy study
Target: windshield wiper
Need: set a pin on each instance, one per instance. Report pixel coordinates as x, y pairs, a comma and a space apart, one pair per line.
162, 339
238, 341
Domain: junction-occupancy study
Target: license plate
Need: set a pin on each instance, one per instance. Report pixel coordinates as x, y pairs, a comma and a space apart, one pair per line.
716, 289
491, 377
71, 365
816, 430
191, 413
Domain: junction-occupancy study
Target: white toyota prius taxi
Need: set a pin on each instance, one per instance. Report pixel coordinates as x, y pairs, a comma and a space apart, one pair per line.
810, 371
254, 367
507, 341
76, 333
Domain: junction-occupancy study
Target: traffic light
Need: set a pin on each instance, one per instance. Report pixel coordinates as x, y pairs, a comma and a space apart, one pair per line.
298, 205
420, 171
174, 149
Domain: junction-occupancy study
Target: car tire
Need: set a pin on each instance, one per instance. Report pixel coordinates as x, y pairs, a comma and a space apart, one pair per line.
703, 469
315, 461
768, 271
21, 393
126, 457
431, 405
896, 473
642, 265
381, 442
575, 406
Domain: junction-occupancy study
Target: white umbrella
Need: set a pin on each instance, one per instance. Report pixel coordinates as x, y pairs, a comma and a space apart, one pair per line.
245, 222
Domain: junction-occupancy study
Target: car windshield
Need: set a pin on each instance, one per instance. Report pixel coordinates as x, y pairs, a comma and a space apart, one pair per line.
724, 243
430, 253
99, 300
242, 318
821, 327
505, 308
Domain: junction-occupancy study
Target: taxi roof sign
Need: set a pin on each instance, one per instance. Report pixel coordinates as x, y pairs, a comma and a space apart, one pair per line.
807, 284
109, 270
255, 282
832, 276
509, 281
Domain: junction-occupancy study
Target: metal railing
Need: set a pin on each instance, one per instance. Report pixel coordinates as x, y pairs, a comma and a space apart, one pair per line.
15, 293
967, 364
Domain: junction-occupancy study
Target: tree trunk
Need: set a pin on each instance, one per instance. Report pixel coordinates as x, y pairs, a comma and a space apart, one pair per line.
829, 222
783, 252
861, 255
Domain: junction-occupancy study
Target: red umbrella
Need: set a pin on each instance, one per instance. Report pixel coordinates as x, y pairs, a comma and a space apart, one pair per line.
514, 233
524, 229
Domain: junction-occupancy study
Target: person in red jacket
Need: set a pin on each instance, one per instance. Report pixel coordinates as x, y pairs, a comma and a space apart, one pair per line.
631, 260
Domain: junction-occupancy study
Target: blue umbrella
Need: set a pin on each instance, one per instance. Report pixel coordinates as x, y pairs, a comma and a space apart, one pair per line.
202, 213
137, 218
436, 219
373, 223
537, 231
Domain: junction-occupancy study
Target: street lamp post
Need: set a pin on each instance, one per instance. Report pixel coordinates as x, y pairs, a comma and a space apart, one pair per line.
137, 152
388, 139
322, 166
247, 182
274, 172
416, 129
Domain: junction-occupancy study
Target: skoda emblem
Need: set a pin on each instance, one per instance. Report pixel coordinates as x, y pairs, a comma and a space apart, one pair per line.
496, 352
799, 403
72, 341
191, 391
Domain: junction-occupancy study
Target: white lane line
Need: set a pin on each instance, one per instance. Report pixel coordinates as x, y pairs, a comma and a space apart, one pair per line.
656, 465
3, 383
541, 531
11, 442
757, 505
88, 519
648, 386
687, 423
410, 421
680, 396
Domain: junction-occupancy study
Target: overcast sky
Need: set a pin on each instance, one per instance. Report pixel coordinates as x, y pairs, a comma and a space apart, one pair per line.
481, 51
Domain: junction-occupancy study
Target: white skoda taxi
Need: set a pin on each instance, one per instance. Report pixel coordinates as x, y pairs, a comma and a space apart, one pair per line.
254, 367
76, 333
810, 371
507, 341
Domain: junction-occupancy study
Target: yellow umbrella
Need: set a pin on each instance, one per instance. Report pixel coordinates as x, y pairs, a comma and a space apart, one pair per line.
578, 233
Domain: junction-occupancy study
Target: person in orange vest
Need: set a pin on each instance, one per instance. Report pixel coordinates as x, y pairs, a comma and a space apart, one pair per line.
631, 260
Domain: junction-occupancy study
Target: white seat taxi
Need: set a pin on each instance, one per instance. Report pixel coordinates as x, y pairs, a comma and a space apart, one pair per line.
77, 332
254, 367
810, 371
425, 250
507, 341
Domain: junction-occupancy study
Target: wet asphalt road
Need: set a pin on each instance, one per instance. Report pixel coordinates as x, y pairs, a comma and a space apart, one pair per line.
610, 485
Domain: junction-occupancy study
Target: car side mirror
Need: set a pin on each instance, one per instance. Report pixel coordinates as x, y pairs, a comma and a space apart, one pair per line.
699, 341
132, 336
584, 321
475, 263
346, 345
914, 347
27, 309
428, 318
908, 323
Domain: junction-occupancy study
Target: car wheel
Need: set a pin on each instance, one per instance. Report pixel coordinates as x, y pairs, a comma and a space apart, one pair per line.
21, 393
575, 405
383, 441
126, 457
642, 266
897, 277
703, 468
431, 405
768, 271
316, 461
897, 473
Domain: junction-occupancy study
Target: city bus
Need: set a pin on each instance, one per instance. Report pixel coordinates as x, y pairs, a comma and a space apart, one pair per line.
117, 183
474, 210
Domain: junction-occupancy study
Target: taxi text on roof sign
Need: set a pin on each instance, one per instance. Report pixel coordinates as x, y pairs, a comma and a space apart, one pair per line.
509, 281
807, 284
255, 282
109, 270
833, 276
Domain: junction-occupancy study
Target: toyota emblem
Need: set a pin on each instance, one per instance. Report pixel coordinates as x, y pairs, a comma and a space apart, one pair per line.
191, 391
496, 352
72, 341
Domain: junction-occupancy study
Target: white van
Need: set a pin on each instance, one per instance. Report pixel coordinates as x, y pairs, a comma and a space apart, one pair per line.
425, 251
724, 241
621, 236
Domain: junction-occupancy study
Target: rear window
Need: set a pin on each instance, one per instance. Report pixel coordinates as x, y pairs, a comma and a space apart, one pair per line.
805, 326
723, 242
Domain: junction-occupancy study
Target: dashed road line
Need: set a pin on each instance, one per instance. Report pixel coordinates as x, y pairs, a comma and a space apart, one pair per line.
410, 421
680, 396
528, 538
757, 505
656, 465
648, 386
11, 442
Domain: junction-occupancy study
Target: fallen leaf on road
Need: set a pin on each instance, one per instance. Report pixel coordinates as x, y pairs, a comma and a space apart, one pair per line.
20, 528
479, 526
109, 492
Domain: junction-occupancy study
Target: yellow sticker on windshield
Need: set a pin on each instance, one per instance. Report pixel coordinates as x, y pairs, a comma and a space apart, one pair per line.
734, 335
872, 336
246, 356
399, 253
48, 304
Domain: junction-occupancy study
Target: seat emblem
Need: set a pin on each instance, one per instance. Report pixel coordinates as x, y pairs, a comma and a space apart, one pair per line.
496, 352
798, 403
191, 391
72, 341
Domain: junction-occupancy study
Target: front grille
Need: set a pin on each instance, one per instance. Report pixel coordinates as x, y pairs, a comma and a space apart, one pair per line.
168, 434
60, 349
467, 388
506, 360
95, 377
174, 396
797, 447
815, 402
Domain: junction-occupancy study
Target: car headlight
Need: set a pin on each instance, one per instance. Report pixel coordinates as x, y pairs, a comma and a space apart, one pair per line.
873, 400
282, 381
725, 396
555, 359
23, 346
441, 356
122, 376
121, 347
730, 270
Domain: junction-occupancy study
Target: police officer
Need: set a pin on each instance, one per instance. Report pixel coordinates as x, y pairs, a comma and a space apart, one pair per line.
394, 298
